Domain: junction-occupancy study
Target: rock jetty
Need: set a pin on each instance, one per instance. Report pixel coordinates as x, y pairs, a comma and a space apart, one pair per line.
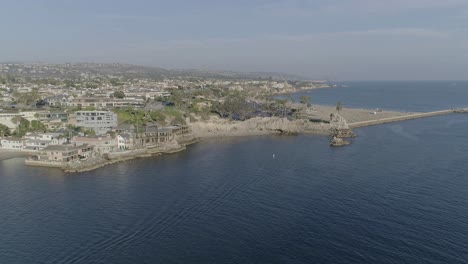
339, 129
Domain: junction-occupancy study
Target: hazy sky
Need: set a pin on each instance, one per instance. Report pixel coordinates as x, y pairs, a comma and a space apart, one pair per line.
334, 39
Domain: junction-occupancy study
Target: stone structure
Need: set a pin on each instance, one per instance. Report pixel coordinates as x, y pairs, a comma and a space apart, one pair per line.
339, 127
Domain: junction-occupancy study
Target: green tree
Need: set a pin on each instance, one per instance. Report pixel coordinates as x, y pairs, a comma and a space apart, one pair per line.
339, 106
119, 94
23, 126
89, 108
27, 98
90, 132
115, 82
281, 104
4, 131
176, 98
37, 126
234, 105
11, 79
157, 116
305, 100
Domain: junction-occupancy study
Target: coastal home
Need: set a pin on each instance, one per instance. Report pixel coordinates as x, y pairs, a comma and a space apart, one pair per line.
125, 141
36, 144
156, 94
106, 103
151, 135
53, 120
59, 100
60, 155
7, 98
125, 128
180, 130
39, 141
99, 121
12, 143
48, 116
24, 89
104, 144
55, 138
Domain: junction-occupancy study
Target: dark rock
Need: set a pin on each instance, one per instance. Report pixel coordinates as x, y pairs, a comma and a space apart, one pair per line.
338, 142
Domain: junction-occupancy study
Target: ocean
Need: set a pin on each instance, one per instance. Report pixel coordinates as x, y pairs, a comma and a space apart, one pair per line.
417, 96
398, 194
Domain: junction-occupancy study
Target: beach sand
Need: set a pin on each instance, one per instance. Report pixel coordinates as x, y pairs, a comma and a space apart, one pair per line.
5, 155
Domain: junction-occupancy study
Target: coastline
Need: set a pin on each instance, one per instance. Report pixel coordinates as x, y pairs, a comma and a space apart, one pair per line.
301, 90
6, 155
131, 155
317, 122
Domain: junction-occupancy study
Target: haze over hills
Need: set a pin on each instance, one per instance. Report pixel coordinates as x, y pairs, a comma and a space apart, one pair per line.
78, 70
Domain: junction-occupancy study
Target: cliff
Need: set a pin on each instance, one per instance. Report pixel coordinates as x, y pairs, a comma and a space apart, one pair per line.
216, 127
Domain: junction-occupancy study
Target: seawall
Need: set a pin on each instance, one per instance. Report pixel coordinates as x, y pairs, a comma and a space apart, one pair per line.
399, 118
115, 157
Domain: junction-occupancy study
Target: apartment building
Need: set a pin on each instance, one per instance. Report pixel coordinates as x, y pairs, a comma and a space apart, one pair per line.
99, 121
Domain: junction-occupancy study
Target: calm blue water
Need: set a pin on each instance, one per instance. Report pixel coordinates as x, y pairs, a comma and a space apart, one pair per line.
395, 95
398, 194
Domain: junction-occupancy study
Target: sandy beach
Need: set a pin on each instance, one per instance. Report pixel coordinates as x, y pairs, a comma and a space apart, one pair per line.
5, 155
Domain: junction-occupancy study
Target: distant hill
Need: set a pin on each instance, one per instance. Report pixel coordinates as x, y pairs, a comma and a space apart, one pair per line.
237, 75
83, 70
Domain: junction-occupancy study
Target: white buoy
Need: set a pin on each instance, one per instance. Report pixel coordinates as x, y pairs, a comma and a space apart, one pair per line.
273, 155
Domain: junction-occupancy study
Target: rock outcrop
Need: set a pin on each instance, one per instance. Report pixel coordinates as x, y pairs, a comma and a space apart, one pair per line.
217, 127
338, 142
339, 127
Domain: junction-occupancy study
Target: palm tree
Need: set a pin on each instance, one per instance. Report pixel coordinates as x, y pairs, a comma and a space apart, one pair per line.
339, 106
305, 100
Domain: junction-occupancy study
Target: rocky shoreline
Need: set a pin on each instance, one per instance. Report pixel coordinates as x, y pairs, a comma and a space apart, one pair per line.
97, 162
320, 122
202, 130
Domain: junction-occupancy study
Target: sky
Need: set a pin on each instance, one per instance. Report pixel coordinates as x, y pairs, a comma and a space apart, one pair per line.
318, 39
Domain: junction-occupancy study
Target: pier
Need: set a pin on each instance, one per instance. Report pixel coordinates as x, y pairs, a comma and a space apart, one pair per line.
405, 117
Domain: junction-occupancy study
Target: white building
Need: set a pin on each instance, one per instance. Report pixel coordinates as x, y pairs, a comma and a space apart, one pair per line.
7, 98
125, 141
42, 140
99, 121
12, 143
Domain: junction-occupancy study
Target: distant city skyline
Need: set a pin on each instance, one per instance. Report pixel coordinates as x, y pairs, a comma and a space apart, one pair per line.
334, 39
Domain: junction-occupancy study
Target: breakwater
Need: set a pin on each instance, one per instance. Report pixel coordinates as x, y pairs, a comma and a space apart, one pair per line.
400, 118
